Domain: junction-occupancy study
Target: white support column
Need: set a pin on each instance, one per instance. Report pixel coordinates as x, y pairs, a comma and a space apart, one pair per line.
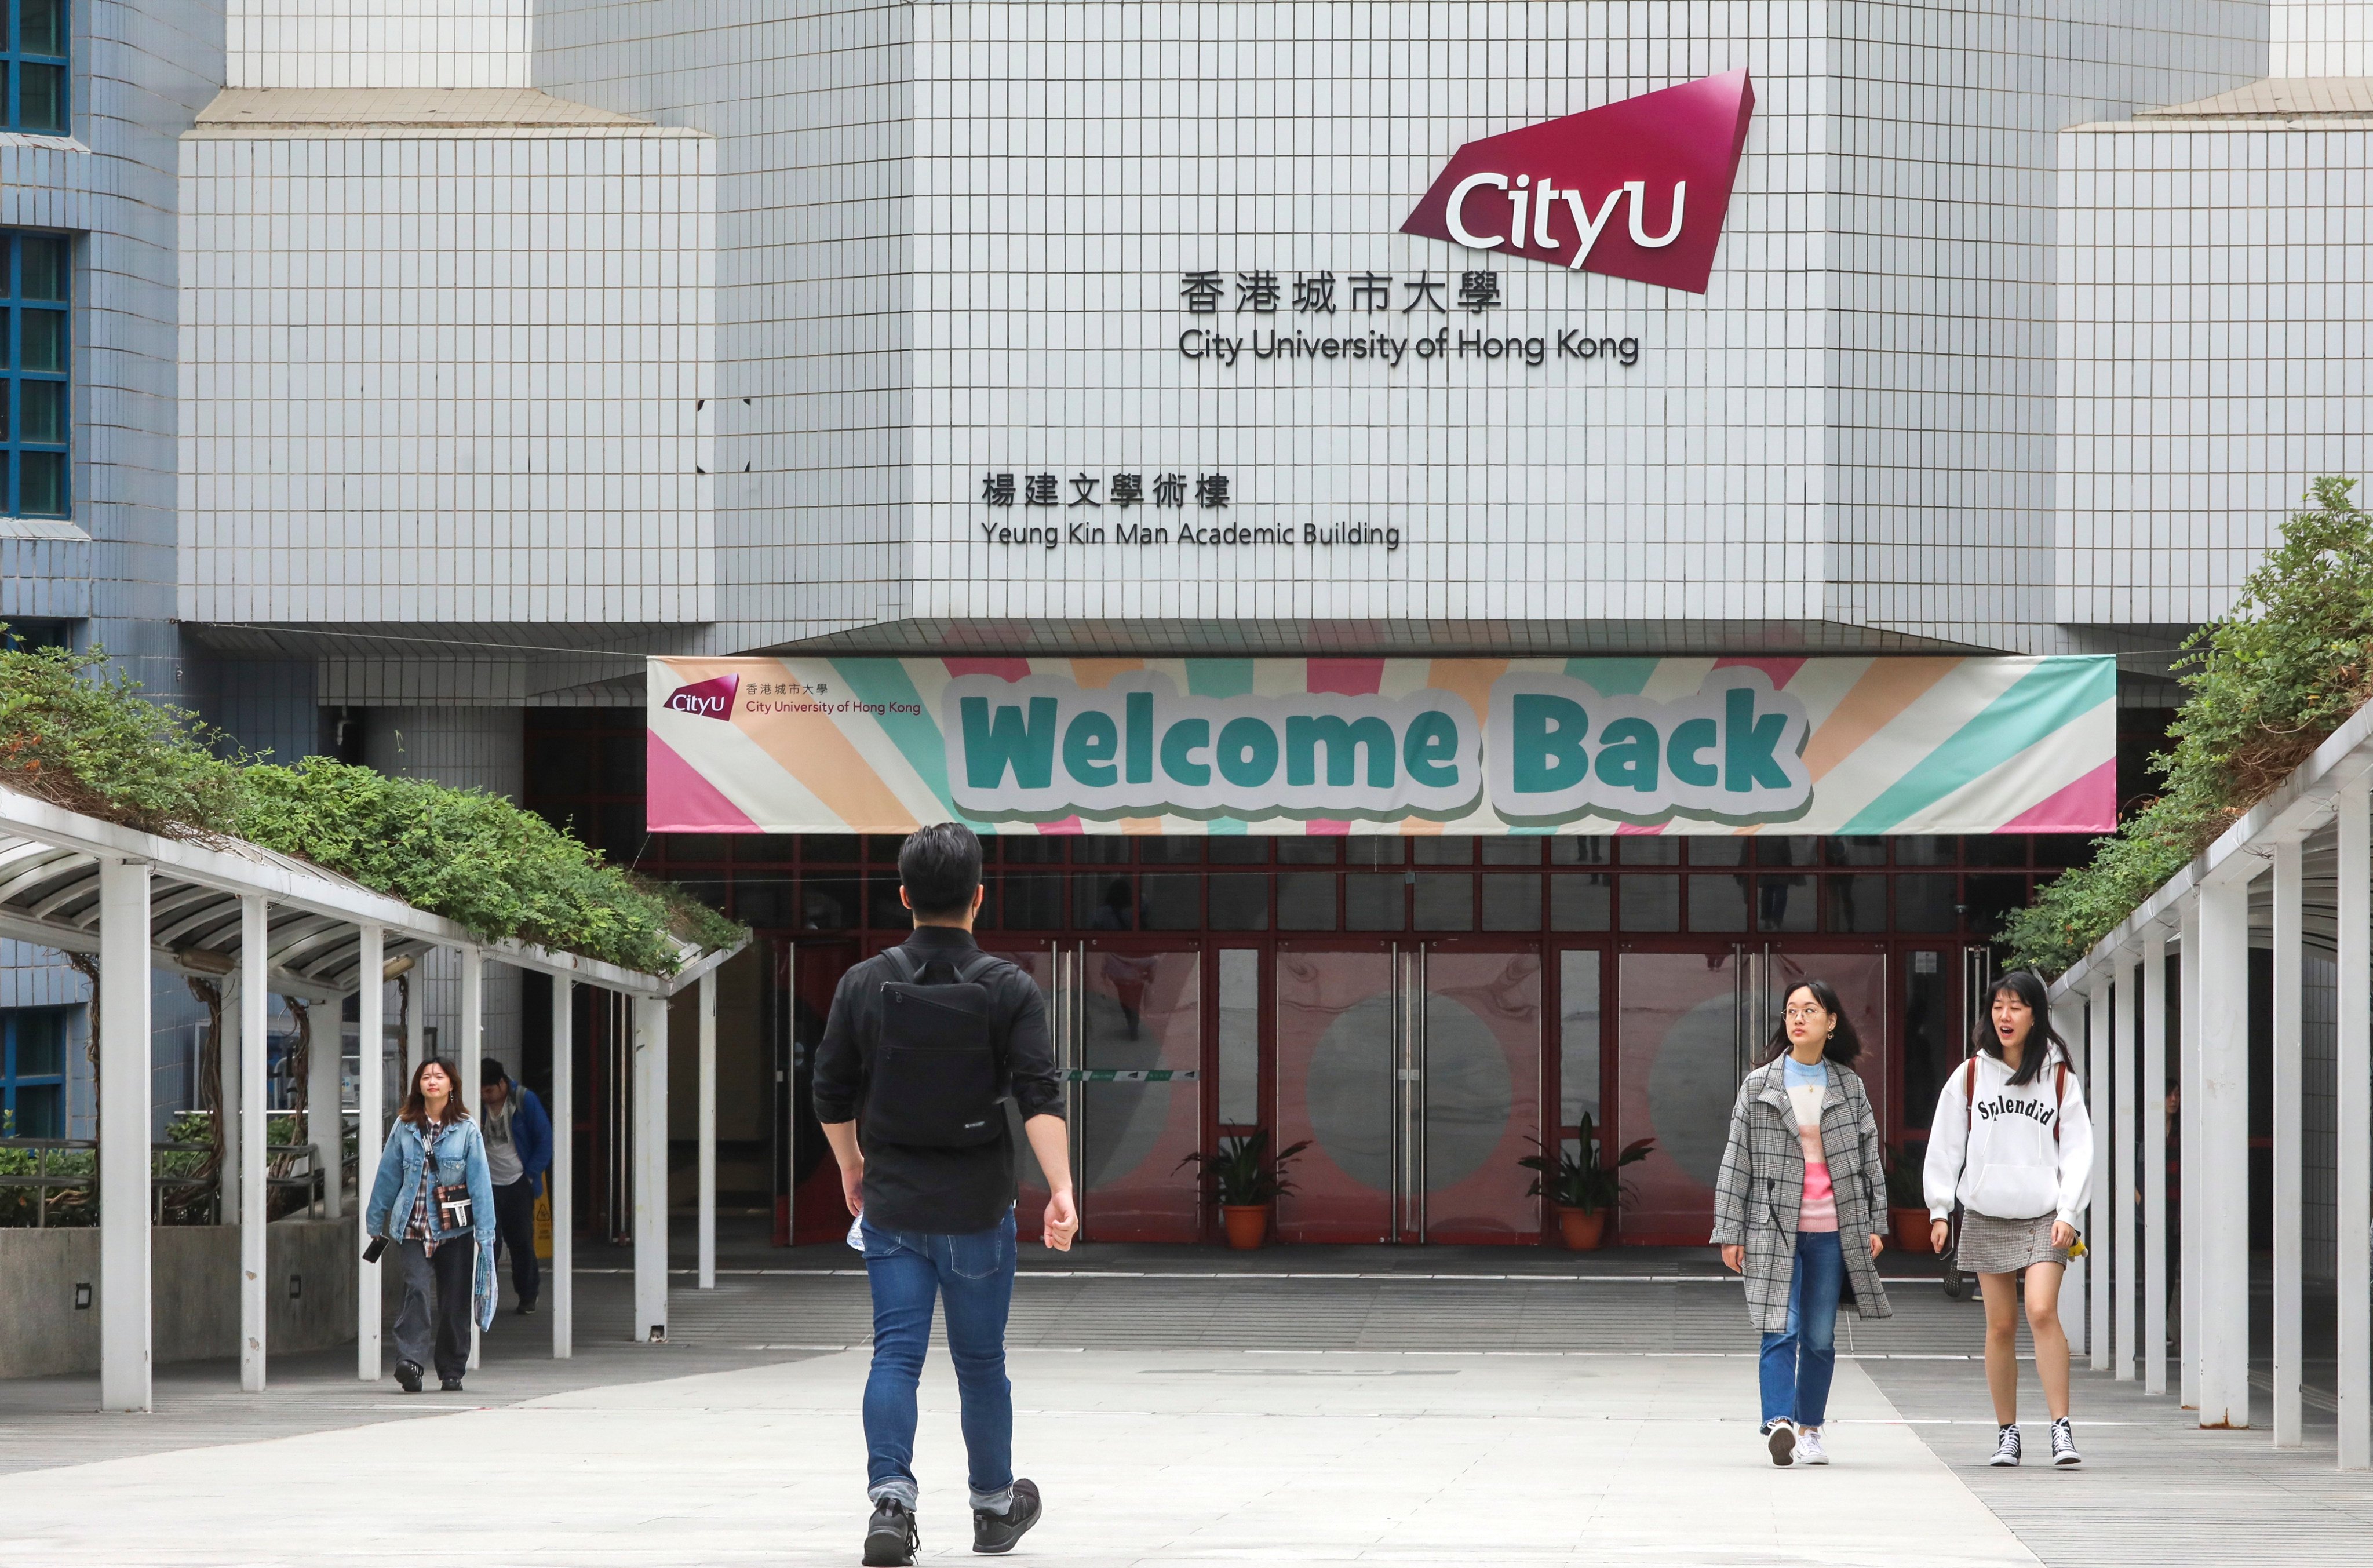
2216, 1163
2353, 1131
370, 1053
2068, 1019
564, 1171
230, 1059
124, 1131
2125, 1243
254, 992
2186, 1230
2154, 1139
708, 1110
649, 1086
325, 1120
2102, 1266
2290, 1129
464, 1054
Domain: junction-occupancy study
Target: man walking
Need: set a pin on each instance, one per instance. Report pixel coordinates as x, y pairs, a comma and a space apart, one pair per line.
923, 1043
519, 1151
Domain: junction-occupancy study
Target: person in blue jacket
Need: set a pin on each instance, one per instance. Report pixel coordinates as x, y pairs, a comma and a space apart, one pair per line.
433, 1199
519, 1151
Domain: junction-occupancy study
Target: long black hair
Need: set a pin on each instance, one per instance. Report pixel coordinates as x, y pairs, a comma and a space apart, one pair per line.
1844, 1045
2026, 985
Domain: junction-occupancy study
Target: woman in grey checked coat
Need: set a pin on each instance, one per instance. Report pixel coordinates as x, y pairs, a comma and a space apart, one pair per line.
1798, 1207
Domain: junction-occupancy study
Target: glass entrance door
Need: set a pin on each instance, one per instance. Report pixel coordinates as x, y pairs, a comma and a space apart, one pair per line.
1140, 1102
1480, 1082
1336, 1060
807, 1202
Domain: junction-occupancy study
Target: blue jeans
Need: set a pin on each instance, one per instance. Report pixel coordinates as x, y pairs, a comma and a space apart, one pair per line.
974, 1272
1799, 1361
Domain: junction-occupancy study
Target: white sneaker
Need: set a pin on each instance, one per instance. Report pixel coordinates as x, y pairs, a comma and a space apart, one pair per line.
2005, 1446
1808, 1448
1782, 1441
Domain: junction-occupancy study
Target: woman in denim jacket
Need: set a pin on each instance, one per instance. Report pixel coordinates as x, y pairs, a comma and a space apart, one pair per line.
446, 1255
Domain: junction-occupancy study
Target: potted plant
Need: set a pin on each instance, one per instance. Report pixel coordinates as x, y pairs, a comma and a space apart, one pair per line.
1907, 1203
1579, 1188
1246, 1180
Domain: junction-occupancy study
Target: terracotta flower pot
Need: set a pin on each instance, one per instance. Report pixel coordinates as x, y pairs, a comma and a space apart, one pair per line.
1911, 1227
1584, 1230
1248, 1224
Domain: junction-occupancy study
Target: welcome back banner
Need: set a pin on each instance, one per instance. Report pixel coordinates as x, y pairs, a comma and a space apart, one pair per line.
1887, 745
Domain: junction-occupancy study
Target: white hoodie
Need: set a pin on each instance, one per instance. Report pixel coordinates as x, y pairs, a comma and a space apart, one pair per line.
2002, 1160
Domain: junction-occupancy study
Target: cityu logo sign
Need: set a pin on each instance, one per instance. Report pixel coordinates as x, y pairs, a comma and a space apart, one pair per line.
708, 700
1636, 189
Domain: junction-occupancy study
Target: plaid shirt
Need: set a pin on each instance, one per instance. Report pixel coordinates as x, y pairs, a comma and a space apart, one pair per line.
416, 1228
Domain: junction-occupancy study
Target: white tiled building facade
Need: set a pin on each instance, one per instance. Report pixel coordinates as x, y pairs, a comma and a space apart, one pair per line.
435, 359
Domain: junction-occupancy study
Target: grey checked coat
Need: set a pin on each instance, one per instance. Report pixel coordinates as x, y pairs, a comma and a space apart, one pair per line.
1761, 1183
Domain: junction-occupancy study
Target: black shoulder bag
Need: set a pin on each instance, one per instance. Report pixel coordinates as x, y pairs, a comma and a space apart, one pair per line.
939, 1064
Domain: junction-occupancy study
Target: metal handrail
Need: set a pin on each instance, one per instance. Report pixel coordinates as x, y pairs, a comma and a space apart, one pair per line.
42, 1182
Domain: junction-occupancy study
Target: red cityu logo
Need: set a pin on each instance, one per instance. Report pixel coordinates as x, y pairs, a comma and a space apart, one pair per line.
1663, 161
711, 698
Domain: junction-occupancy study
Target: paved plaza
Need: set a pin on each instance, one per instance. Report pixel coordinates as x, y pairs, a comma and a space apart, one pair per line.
1324, 1406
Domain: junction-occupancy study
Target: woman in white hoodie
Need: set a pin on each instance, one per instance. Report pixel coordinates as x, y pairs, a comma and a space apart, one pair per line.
2012, 1144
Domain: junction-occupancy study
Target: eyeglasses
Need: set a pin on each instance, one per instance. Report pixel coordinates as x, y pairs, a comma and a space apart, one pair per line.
1806, 1014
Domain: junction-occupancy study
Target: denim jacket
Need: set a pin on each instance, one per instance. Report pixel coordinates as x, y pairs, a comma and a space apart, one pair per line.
460, 1161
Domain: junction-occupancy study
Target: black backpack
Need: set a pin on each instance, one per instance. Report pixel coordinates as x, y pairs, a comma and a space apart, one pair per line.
938, 1065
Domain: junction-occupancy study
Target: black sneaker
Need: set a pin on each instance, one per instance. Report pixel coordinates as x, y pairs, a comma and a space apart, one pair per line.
890, 1539
525, 1309
2006, 1447
2063, 1444
994, 1533
450, 1385
407, 1377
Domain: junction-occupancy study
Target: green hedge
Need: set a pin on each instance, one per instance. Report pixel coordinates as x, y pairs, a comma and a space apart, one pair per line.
2266, 685
75, 735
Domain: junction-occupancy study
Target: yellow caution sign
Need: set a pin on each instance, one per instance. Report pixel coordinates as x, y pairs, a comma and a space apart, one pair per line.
543, 1222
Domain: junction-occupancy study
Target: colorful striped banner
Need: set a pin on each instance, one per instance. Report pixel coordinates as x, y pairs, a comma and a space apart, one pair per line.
1864, 746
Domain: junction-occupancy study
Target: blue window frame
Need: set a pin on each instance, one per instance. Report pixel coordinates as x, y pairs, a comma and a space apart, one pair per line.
33, 1069
38, 98
36, 288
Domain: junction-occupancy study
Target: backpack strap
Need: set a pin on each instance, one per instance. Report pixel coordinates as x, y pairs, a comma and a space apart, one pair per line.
1969, 1095
2059, 1095
904, 962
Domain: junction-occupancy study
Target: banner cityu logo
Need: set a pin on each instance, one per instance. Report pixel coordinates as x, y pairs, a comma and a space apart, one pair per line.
1636, 189
712, 698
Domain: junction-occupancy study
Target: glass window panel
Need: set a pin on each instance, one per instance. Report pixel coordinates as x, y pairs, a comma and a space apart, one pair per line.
831, 849
40, 1112
1316, 850
1925, 902
1240, 902
41, 411
1588, 849
1373, 849
1372, 902
41, 489
1718, 903
1648, 850
1512, 901
829, 903
1173, 901
1100, 850
1171, 850
41, 98
621, 828
2063, 849
1727, 850
1105, 902
764, 848
1577, 1037
1786, 903
883, 910
1306, 901
1854, 852
1513, 852
1237, 849
8, 408
1019, 849
41, 1046
1787, 849
882, 849
1994, 850
1857, 904
1445, 901
1446, 849
42, 340
1582, 901
772, 904
1930, 1050
1989, 899
41, 27
1240, 1036
1921, 849
1034, 903
692, 848
1650, 903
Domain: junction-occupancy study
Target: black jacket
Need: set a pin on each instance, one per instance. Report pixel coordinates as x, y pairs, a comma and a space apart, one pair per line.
942, 1190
